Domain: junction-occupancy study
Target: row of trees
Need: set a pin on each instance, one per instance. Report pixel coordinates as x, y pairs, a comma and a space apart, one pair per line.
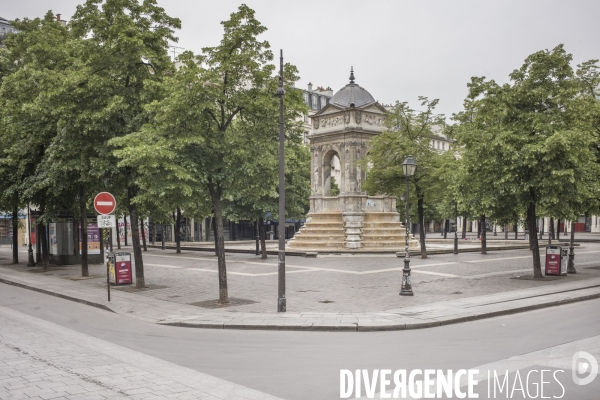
98, 105
525, 149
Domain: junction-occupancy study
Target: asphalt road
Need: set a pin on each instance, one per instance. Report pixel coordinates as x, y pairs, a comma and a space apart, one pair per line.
306, 365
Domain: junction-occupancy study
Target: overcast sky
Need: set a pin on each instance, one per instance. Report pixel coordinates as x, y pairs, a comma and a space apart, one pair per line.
399, 49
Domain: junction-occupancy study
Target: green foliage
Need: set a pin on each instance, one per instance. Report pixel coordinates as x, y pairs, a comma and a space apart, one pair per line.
529, 141
335, 189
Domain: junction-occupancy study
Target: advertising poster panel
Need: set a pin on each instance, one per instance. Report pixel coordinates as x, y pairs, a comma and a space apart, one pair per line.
552, 261
93, 237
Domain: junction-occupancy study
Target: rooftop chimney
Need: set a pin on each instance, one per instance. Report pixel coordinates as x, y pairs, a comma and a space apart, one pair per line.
310, 86
58, 17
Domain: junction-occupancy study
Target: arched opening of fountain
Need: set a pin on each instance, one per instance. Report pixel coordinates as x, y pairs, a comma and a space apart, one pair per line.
332, 174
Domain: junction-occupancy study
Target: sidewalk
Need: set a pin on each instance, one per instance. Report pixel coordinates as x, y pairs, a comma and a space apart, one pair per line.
342, 293
41, 360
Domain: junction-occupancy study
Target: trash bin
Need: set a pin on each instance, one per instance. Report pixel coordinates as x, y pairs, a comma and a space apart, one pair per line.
553, 260
564, 261
119, 266
271, 235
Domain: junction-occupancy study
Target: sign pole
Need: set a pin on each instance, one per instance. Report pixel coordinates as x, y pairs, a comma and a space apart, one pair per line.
105, 237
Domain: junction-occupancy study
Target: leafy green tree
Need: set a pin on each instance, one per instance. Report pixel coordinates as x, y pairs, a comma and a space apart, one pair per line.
121, 46
408, 132
527, 143
210, 109
335, 189
32, 67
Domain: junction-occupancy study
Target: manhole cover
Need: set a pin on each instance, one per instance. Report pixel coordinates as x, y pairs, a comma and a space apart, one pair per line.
233, 301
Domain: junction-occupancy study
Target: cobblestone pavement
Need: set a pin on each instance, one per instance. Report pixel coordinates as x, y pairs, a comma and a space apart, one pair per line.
339, 284
41, 360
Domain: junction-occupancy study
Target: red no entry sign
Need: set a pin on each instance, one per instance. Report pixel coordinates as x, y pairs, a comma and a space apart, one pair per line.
105, 203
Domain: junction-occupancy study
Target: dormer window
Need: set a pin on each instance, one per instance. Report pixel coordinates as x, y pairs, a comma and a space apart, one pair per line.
314, 101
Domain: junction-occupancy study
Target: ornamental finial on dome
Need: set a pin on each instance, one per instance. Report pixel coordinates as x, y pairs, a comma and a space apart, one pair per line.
351, 74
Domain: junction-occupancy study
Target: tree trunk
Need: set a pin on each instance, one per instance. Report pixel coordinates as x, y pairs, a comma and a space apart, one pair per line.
143, 234
118, 235
505, 232
214, 224
262, 233
125, 227
483, 234
177, 220
533, 240
464, 230
153, 233
558, 230
421, 216
140, 281
542, 228
446, 227
551, 227
516, 230
84, 237
44, 244
220, 246
15, 235
479, 230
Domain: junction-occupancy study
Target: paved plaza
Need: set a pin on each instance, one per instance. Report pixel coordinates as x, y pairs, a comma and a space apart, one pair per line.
330, 291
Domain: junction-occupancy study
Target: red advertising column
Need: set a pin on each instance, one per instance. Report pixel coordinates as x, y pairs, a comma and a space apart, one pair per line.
552, 260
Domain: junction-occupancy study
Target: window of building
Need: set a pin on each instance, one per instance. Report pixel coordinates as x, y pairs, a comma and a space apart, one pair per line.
306, 98
305, 119
314, 101
443, 146
323, 101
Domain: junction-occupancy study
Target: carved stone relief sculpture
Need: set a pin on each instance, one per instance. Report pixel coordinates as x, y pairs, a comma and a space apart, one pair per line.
346, 117
347, 178
331, 121
358, 117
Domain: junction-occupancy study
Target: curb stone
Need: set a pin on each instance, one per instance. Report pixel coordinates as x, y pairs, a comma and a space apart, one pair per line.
56, 294
347, 327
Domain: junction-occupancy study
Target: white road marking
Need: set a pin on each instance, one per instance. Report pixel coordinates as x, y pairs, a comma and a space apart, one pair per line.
229, 272
437, 273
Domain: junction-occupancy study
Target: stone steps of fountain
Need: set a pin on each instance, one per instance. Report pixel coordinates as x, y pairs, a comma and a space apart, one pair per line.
382, 243
317, 244
376, 238
383, 224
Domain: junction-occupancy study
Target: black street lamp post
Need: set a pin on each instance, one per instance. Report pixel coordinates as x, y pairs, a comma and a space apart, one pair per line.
409, 166
455, 227
571, 265
30, 261
257, 237
281, 301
